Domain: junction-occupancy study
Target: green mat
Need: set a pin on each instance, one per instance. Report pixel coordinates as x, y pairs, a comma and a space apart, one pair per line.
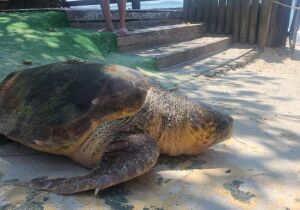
42, 37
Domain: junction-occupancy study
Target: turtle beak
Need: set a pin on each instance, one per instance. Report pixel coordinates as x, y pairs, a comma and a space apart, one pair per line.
215, 124
224, 128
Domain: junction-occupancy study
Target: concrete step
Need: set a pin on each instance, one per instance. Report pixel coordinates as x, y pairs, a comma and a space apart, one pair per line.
150, 37
94, 19
207, 66
173, 54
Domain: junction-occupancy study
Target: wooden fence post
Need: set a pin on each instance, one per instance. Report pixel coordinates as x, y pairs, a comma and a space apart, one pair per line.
228, 18
244, 26
200, 10
264, 23
206, 10
236, 20
284, 23
193, 10
279, 24
221, 16
213, 16
273, 25
186, 8
253, 22
294, 28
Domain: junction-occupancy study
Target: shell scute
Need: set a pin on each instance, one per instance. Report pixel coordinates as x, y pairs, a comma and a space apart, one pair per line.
59, 104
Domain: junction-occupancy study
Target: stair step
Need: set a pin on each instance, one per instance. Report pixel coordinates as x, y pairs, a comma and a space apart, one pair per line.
205, 66
84, 15
173, 54
149, 37
94, 19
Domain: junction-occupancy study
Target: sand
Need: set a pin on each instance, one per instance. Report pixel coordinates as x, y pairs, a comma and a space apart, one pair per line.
264, 100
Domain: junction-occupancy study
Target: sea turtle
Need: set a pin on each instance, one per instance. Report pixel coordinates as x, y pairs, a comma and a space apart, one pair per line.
106, 117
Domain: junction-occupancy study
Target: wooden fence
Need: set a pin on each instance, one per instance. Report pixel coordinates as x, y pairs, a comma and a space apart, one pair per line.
248, 21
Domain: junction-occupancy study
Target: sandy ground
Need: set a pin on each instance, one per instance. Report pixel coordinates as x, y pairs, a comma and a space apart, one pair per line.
259, 168
264, 153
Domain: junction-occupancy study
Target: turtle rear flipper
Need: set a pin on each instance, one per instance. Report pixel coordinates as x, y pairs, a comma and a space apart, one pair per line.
133, 156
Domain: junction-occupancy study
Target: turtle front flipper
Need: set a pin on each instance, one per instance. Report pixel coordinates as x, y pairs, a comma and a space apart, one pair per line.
123, 160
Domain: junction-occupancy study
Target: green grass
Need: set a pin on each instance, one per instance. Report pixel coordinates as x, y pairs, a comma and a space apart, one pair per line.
45, 37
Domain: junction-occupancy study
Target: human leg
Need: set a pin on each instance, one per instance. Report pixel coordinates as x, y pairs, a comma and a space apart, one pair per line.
107, 14
122, 13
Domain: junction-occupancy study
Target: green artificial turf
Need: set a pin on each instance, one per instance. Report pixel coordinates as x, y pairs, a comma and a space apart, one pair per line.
43, 37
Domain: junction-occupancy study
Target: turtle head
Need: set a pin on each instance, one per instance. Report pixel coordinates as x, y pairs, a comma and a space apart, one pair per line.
181, 126
210, 123
203, 127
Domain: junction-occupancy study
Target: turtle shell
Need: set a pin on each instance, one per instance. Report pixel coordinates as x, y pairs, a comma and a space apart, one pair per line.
55, 107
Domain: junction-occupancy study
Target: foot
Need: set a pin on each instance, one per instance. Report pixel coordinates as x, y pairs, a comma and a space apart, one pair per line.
122, 31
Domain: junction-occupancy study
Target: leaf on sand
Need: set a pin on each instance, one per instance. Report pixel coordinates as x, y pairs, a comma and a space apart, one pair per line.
26, 62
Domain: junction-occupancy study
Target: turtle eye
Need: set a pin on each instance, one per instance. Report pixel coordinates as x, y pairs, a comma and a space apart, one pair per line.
138, 96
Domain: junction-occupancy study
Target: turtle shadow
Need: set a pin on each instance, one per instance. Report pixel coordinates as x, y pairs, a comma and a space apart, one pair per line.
183, 162
210, 159
4, 140
120, 196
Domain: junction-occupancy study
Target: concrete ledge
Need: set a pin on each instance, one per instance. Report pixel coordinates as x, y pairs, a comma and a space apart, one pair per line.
95, 15
236, 56
94, 19
143, 38
173, 54
31, 10
86, 15
131, 25
238, 62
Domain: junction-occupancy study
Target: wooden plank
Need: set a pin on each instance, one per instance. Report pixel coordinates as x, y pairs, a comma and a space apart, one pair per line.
228, 18
264, 23
206, 10
244, 25
221, 16
253, 21
200, 10
236, 20
213, 16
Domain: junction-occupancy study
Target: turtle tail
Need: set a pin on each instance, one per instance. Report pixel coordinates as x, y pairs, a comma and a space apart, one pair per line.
132, 156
